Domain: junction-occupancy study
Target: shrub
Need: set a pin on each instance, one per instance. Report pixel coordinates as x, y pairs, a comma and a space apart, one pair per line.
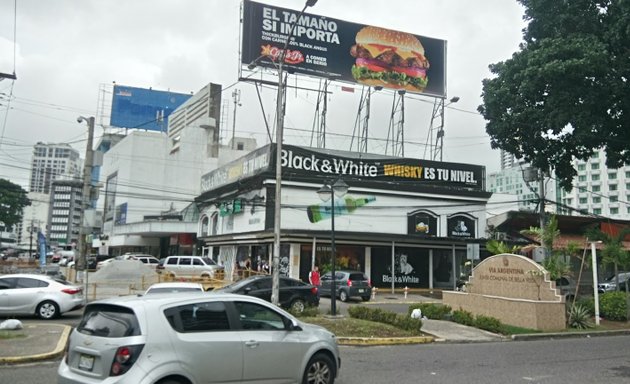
309, 311
489, 324
579, 317
387, 317
613, 305
431, 310
587, 303
463, 317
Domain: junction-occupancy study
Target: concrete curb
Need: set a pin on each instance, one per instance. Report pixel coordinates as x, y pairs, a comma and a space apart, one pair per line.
58, 351
367, 341
566, 335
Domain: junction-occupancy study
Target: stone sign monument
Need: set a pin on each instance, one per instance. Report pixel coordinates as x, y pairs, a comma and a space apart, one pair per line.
513, 289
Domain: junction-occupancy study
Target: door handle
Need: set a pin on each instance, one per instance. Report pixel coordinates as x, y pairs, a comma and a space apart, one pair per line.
251, 343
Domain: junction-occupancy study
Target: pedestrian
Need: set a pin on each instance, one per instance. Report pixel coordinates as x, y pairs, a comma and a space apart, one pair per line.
313, 276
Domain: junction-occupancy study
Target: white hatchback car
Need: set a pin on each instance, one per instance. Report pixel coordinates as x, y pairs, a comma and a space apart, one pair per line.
40, 295
191, 339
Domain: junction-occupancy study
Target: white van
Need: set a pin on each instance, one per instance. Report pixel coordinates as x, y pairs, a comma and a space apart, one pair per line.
192, 266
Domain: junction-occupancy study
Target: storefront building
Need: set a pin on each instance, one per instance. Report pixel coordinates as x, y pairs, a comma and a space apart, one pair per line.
404, 222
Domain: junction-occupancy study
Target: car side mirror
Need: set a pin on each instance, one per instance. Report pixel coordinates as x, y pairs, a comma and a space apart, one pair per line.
293, 325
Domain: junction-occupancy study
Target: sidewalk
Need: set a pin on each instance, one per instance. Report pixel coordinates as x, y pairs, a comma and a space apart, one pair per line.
41, 341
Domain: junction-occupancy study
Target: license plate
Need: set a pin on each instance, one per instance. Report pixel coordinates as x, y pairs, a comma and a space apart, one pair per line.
86, 362
361, 290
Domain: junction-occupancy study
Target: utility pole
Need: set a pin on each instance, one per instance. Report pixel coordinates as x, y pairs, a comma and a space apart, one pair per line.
541, 208
237, 103
85, 198
275, 264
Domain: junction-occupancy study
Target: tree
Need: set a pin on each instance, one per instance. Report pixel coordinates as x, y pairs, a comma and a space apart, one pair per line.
12, 201
566, 92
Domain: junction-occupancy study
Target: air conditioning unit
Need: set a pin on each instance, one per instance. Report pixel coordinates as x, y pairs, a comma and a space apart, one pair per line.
539, 254
500, 236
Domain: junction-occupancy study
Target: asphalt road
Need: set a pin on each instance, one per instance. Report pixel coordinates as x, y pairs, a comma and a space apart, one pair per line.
575, 361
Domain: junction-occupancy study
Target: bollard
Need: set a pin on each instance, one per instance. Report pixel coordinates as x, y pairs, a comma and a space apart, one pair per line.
406, 291
374, 293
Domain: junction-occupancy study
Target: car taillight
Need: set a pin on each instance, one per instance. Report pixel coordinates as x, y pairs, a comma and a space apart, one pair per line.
72, 291
369, 283
349, 283
124, 359
314, 290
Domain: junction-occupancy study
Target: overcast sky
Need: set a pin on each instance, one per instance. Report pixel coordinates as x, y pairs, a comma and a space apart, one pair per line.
63, 52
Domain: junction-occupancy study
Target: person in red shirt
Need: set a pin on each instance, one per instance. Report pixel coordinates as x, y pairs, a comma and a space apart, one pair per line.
313, 276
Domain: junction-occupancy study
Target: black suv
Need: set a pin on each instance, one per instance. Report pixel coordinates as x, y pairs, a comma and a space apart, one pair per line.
347, 284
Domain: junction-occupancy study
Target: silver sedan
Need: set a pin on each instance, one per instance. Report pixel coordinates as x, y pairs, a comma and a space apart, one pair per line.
41, 295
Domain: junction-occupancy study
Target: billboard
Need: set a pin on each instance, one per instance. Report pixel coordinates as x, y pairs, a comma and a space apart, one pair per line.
344, 51
144, 108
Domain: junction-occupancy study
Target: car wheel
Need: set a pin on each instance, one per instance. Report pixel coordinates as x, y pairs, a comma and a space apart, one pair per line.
171, 381
365, 298
297, 306
343, 296
47, 310
319, 370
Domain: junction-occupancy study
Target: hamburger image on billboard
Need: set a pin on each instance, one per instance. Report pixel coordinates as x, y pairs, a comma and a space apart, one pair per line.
390, 59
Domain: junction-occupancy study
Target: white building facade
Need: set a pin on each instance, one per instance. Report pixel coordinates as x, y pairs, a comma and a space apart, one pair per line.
397, 212
598, 190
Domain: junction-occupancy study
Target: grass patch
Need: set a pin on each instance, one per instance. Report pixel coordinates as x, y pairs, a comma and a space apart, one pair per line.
351, 327
514, 330
10, 334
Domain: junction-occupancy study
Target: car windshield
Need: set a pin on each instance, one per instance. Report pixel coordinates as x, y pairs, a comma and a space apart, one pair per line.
109, 321
208, 261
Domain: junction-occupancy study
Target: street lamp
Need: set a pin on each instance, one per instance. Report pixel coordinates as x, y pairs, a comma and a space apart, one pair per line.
328, 192
275, 278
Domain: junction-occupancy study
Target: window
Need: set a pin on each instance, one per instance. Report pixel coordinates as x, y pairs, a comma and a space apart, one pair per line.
583, 200
596, 188
597, 211
614, 211
595, 177
595, 166
199, 317
613, 198
197, 262
612, 187
597, 199
257, 317
581, 167
109, 321
30, 283
627, 174
582, 178
240, 146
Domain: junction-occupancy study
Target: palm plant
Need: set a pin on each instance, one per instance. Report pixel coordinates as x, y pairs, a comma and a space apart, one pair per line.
497, 247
